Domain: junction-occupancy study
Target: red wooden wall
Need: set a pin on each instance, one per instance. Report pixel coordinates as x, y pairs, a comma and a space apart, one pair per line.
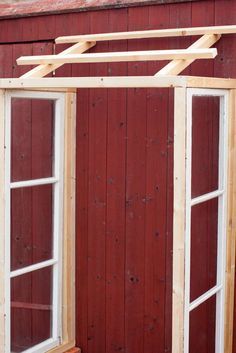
124, 170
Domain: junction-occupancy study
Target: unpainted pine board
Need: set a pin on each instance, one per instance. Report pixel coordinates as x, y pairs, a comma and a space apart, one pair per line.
65, 83
135, 195
97, 200
156, 202
175, 32
142, 55
179, 16
69, 318
230, 260
202, 15
179, 221
116, 180
81, 23
2, 223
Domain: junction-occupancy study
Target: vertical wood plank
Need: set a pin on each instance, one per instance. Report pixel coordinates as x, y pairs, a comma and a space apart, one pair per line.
116, 169
69, 220
202, 16
156, 200
179, 220
179, 16
135, 195
97, 199
82, 25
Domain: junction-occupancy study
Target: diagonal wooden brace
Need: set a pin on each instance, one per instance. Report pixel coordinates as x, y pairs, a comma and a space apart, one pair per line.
177, 66
43, 70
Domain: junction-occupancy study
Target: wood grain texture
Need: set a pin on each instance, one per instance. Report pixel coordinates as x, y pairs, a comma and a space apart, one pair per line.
97, 119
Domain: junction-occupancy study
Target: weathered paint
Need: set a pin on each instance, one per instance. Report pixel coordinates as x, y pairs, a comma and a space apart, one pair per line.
16, 8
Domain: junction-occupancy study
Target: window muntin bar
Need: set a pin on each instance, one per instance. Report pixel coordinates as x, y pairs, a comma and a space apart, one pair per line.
206, 197
194, 304
34, 182
32, 268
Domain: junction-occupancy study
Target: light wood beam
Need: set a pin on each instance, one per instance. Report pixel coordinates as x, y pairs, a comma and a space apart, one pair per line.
175, 32
231, 226
177, 66
94, 82
43, 70
148, 55
179, 220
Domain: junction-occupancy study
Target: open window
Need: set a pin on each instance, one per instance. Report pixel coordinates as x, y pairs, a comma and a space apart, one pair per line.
39, 159
204, 236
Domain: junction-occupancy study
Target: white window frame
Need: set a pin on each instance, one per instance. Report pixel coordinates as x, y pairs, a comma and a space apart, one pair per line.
221, 194
57, 181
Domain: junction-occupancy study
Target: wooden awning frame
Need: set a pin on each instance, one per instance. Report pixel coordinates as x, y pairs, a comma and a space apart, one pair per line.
166, 77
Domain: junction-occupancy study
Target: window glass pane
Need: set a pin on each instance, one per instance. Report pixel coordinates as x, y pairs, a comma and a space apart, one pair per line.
202, 327
204, 224
31, 138
31, 225
205, 144
31, 309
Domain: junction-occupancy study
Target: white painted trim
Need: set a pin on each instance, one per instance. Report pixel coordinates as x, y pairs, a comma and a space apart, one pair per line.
34, 182
206, 197
204, 297
31, 268
57, 181
221, 194
40, 348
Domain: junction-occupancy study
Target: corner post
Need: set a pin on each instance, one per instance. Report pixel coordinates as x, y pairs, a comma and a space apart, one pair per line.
179, 220
231, 226
2, 221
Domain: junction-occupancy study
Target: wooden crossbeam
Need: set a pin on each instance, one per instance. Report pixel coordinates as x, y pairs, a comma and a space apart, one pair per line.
176, 32
43, 70
119, 56
65, 83
177, 66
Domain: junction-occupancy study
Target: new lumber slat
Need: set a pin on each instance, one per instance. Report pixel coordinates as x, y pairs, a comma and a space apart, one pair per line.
179, 219
175, 32
117, 81
2, 224
231, 219
95, 82
177, 66
148, 55
43, 70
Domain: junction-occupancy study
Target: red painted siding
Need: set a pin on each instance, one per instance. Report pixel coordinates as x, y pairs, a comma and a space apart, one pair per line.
124, 170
